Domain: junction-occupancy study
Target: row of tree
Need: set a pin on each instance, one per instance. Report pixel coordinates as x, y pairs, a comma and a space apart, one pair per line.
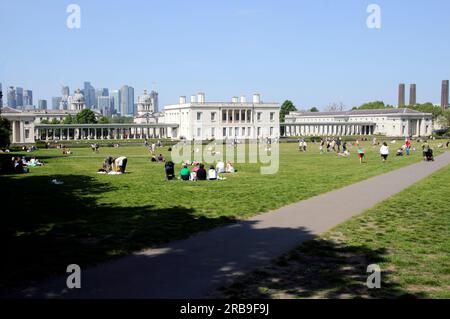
87, 116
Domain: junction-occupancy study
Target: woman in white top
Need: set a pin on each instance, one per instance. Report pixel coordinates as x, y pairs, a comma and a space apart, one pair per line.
220, 167
384, 151
212, 174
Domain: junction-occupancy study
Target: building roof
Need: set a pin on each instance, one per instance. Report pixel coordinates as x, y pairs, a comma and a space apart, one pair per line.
7, 109
359, 112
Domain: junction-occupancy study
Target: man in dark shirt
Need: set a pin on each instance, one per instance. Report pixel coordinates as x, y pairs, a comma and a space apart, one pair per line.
201, 173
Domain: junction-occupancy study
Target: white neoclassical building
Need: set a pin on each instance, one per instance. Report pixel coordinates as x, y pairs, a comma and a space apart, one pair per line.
400, 122
198, 119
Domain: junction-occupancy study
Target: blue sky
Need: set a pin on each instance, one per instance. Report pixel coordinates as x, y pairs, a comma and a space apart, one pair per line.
312, 52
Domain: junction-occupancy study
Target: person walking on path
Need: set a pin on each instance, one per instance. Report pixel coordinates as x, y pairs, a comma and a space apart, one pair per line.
384, 151
408, 146
361, 154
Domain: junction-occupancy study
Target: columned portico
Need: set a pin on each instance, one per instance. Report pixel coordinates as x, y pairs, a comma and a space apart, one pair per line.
328, 129
98, 131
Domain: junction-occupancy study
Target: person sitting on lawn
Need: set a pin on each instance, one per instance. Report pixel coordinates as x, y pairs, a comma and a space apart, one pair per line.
345, 153
185, 173
220, 167
169, 168
19, 166
196, 167
229, 168
212, 173
399, 152
161, 158
201, 173
35, 162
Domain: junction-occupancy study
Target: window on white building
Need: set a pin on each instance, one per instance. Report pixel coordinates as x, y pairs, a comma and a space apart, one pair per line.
271, 131
258, 131
213, 131
199, 132
213, 116
199, 116
224, 116
258, 116
224, 132
249, 131
236, 131
272, 116
243, 131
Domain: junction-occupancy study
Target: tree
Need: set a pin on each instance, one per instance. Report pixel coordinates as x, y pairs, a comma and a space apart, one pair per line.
335, 107
314, 110
122, 119
372, 106
443, 120
86, 116
104, 120
54, 121
68, 120
428, 108
287, 107
44, 121
5, 132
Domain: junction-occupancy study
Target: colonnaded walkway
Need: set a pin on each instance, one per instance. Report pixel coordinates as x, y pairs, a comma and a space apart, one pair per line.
196, 267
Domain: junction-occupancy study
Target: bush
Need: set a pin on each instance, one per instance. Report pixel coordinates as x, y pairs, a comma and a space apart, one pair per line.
40, 144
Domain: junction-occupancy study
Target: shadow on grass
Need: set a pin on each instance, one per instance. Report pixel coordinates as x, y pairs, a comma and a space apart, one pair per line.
318, 269
46, 227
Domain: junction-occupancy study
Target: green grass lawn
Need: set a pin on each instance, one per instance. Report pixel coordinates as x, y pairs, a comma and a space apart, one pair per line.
92, 218
407, 236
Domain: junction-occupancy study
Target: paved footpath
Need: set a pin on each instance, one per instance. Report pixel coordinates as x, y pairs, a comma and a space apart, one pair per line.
196, 267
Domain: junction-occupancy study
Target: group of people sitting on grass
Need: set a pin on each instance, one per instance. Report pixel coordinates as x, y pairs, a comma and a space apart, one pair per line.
29, 149
114, 166
160, 158
198, 171
19, 164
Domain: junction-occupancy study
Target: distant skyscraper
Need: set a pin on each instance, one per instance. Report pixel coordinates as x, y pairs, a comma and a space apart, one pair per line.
19, 97
154, 99
104, 105
27, 97
444, 94
89, 95
401, 95
100, 93
42, 104
11, 97
131, 105
412, 94
56, 101
115, 101
65, 91
127, 100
